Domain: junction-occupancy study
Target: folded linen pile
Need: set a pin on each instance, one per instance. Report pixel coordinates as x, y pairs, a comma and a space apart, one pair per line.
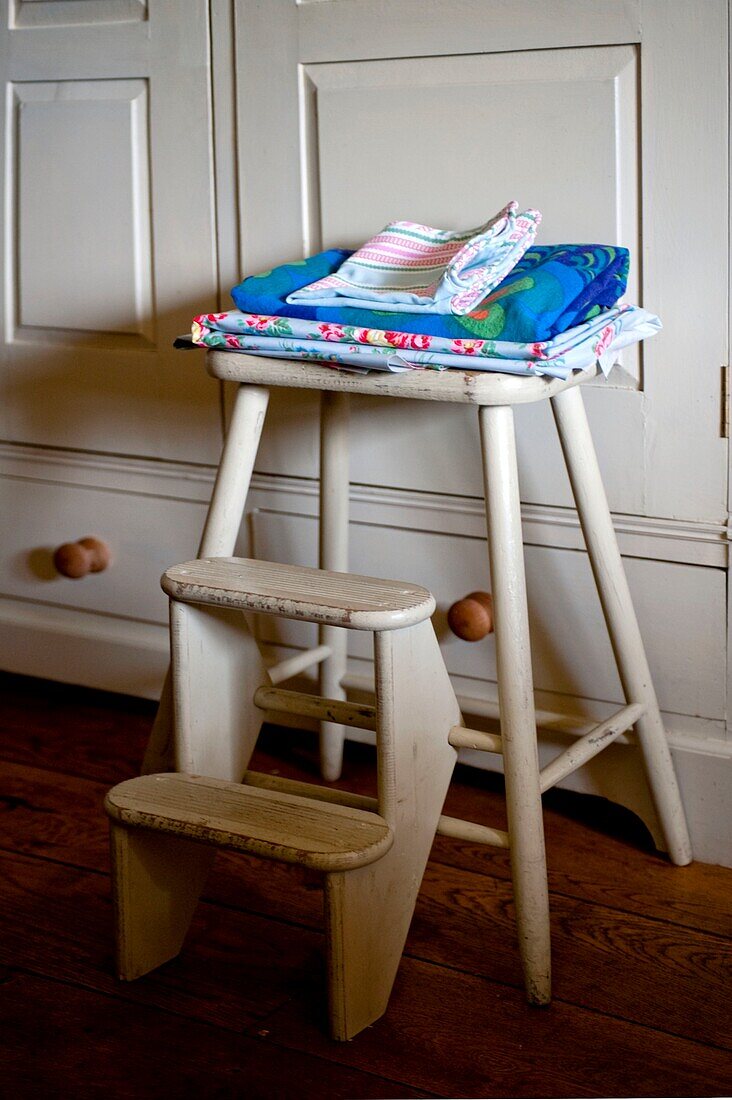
535, 310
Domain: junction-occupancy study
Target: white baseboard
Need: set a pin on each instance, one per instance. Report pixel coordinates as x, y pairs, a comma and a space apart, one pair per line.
121, 655
80, 647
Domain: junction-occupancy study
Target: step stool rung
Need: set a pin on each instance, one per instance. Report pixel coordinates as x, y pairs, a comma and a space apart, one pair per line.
271, 824
297, 592
460, 737
310, 790
360, 715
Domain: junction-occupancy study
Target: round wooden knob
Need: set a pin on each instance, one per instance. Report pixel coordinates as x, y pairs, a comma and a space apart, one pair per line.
76, 559
472, 617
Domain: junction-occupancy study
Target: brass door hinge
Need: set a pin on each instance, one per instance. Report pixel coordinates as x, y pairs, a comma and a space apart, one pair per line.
724, 419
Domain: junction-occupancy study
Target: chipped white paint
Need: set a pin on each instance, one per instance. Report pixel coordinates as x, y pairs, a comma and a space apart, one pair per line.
464, 387
296, 592
590, 745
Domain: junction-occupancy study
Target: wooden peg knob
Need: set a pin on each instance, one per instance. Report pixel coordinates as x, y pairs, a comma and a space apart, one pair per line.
472, 617
76, 559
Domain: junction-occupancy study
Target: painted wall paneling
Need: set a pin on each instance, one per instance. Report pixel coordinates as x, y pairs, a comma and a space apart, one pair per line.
108, 226
443, 122
181, 144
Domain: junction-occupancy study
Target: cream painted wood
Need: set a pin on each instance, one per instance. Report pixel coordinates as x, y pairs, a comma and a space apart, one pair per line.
590, 745
470, 387
55, 13
97, 277
373, 864
462, 738
300, 662
574, 669
416, 707
234, 473
266, 823
446, 826
681, 541
333, 556
310, 790
297, 592
156, 883
360, 715
145, 533
472, 832
216, 669
617, 605
220, 532
516, 699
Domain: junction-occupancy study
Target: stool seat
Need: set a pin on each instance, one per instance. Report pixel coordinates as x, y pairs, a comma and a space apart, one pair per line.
466, 387
296, 592
269, 824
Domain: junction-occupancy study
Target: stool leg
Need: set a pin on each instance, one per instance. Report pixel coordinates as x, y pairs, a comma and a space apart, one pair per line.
334, 493
219, 535
516, 698
156, 883
617, 606
369, 910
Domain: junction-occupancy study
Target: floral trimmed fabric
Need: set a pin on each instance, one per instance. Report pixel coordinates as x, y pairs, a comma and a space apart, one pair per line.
357, 347
551, 289
413, 268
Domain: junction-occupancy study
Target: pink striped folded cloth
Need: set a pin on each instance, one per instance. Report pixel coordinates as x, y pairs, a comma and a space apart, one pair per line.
414, 268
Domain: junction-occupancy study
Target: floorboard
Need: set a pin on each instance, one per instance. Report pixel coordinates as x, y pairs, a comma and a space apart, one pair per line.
642, 951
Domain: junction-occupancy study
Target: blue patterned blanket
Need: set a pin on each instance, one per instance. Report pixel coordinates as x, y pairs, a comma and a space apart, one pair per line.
551, 289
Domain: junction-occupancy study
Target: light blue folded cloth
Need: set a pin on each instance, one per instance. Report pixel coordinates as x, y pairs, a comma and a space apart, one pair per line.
413, 268
595, 341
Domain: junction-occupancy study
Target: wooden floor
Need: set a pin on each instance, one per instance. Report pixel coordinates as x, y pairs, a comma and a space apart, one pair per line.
642, 953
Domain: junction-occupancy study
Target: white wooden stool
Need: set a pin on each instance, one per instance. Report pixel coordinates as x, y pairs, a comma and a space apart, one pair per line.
372, 852
494, 395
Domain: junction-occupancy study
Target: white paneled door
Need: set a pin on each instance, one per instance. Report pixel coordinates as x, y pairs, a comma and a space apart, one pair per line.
107, 226
352, 113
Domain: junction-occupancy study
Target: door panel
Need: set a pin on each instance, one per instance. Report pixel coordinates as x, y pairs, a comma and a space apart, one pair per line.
108, 242
445, 118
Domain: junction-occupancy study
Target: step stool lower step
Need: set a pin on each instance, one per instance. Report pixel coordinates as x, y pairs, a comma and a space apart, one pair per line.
270, 824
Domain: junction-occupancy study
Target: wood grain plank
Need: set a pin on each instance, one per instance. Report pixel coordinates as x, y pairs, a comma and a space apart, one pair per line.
231, 972
268, 823
467, 1037
592, 853
234, 969
60, 1041
604, 958
73, 730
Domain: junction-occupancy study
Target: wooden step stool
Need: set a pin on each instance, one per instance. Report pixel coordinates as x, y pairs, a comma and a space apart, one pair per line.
493, 396
372, 852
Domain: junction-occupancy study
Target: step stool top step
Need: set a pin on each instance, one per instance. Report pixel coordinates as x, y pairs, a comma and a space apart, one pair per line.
268, 823
296, 592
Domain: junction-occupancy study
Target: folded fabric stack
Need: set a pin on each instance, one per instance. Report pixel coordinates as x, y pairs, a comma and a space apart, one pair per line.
415, 297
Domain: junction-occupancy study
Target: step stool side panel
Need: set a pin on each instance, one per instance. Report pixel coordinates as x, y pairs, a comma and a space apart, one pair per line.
217, 667
369, 911
156, 883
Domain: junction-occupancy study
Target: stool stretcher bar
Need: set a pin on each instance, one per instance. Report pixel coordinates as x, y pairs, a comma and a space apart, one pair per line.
360, 715
462, 738
291, 666
590, 745
552, 721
